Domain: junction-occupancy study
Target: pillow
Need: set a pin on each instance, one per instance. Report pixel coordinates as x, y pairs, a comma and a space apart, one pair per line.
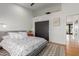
19, 35
5, 37
23, 34
13, 35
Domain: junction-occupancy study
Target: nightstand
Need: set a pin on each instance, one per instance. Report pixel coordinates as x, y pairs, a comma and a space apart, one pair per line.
30, 34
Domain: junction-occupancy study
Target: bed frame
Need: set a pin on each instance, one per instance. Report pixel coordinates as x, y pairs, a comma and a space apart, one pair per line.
38, 50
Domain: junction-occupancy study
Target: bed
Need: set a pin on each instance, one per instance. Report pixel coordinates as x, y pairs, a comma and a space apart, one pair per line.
22, 45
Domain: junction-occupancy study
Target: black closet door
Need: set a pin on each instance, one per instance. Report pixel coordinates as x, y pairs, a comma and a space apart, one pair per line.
42, 29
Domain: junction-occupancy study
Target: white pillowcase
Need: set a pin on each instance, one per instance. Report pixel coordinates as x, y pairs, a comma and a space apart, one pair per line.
19, 35
24, 34
13, 35
5, 37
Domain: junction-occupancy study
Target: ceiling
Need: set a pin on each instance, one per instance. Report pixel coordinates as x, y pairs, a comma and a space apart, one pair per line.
37, 6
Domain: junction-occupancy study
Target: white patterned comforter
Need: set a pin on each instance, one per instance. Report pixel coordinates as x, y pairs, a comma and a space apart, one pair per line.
19, 47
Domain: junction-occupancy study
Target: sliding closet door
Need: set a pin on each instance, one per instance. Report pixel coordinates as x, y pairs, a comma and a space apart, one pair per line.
42, 29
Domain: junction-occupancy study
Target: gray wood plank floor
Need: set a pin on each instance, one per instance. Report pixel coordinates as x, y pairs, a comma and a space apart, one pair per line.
53, 50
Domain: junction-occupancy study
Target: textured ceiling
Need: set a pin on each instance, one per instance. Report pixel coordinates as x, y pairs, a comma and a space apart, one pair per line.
37, 6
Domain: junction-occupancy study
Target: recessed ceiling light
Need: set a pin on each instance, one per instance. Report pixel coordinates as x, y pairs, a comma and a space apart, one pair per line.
48, 12
32, 4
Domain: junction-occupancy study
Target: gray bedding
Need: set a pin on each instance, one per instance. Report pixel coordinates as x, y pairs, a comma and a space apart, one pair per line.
35, 47
35, 52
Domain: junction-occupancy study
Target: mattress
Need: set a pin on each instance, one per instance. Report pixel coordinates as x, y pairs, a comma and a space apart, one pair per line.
23, 47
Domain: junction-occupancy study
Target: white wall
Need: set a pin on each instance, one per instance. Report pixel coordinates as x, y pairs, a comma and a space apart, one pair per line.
15, 17
58, 34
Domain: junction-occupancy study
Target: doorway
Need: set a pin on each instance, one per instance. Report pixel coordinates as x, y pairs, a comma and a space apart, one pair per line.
72, 48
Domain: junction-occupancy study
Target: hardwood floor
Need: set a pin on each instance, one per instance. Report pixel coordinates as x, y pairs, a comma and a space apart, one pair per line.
53, 49
73, 48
